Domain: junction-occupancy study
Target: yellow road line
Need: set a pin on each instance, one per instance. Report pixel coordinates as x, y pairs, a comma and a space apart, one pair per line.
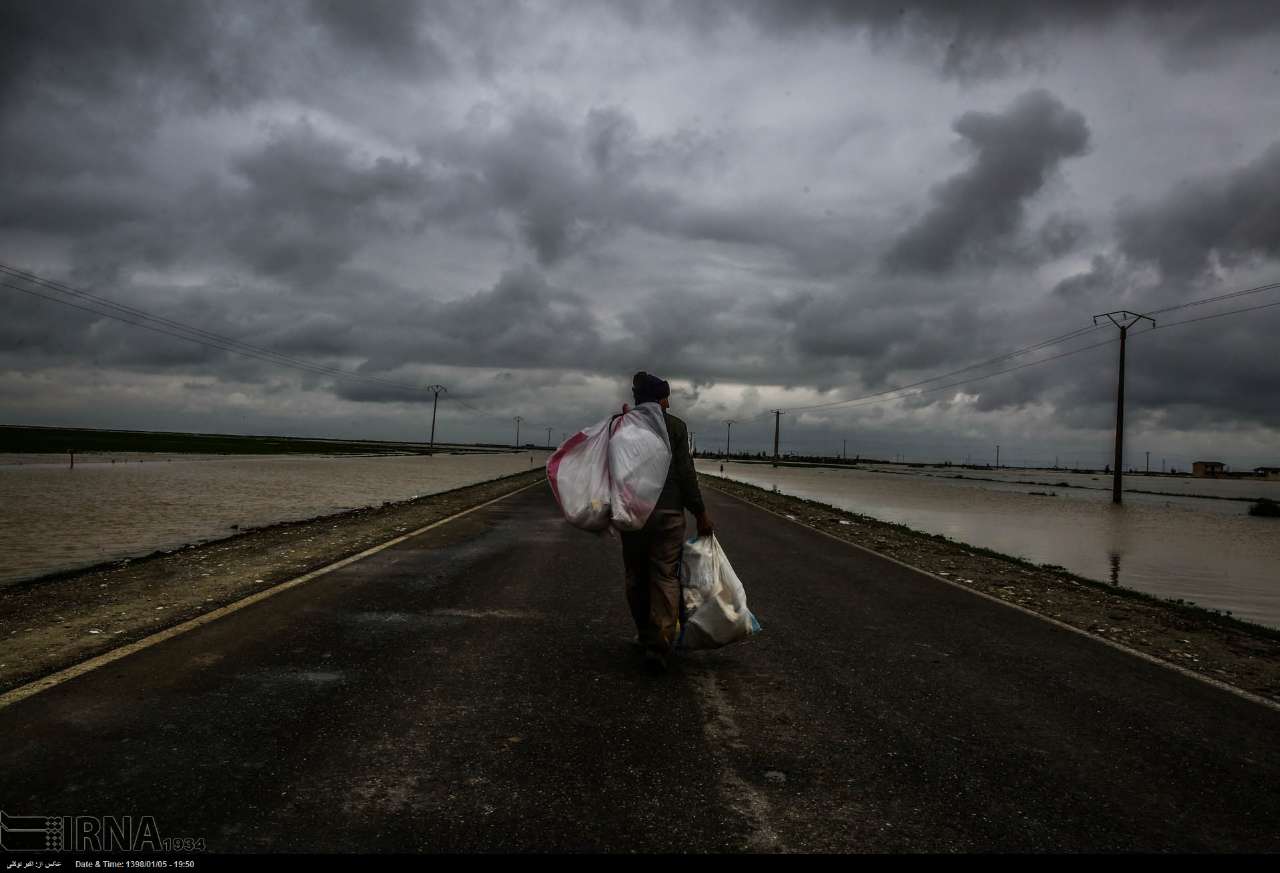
24, 691
1152, 659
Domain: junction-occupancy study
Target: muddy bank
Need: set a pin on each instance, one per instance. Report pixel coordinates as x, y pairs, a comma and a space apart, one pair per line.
49, 623
1220, 647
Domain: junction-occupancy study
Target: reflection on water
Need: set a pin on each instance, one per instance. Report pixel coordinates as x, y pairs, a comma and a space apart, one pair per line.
55, 518
1210, 552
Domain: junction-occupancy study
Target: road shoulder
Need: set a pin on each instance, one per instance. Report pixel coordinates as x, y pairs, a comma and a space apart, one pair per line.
49, 624
1221, 649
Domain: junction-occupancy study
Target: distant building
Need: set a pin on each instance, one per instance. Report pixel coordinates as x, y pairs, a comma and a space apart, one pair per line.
1208, 469
1268, 472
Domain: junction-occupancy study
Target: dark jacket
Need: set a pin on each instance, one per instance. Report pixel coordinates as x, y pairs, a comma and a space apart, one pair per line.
681, 489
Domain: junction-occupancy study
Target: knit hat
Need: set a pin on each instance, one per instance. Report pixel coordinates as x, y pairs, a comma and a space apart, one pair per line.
649, 389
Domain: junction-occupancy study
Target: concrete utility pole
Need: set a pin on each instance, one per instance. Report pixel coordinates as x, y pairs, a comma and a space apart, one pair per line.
693, 442
728, 434
435, 399
518, 420
844, 450
1148, 462
1123, 319
777, 424
548, 437
997, 456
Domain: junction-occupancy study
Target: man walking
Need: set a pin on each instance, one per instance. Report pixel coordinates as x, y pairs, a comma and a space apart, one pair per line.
651, 555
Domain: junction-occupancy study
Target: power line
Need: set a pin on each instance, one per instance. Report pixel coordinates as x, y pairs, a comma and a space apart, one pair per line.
1052, 341
1215, 315
503, 418
127, 314
319, 369
882, 396
180, 330
1068, 354
872, 399
106, 308
877, 398
1230, 295
169, 327
479, 411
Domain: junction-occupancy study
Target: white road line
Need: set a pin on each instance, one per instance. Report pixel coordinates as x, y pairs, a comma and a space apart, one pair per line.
1151, 659
721, 730
22, 692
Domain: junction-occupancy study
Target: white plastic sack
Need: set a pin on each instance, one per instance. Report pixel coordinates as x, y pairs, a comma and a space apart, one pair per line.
639, 457
613, 470
714, 599
579, 475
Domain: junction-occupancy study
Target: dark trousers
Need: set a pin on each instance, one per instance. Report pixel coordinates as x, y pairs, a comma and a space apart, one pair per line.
651, 557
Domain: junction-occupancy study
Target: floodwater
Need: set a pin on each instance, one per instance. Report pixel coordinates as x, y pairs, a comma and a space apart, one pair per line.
54, 518
1208, 551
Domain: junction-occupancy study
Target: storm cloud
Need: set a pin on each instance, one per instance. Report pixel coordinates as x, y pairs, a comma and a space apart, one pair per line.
968, 41
974, 212
775, 205
1230, 219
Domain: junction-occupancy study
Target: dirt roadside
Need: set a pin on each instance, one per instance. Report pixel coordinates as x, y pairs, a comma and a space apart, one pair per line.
50, 623
1235, 652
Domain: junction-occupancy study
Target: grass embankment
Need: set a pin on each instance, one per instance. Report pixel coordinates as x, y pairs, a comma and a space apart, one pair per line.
55, 621
1205, 641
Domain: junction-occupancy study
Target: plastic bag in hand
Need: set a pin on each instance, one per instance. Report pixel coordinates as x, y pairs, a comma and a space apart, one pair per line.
715, 601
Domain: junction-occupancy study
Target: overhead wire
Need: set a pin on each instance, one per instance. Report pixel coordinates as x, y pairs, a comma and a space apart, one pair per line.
896, 393
1230, 295
1052, 341
103, 307
170, 327
1166, 324
159, 324
197, 334
157, 329
1067, 354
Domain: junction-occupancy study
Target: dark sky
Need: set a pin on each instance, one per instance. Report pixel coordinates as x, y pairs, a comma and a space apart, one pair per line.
772, 204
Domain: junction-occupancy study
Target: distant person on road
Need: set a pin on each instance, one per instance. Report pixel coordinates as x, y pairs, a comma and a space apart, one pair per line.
651, 555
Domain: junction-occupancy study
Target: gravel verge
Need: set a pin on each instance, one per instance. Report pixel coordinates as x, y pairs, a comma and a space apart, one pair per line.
55, 621
1208, 642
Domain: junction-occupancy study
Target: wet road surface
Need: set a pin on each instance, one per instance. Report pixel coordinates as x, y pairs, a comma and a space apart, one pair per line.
475, 689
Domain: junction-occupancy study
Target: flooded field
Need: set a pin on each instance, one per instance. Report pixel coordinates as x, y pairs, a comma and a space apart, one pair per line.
54, 518
1209, 551
1134, 483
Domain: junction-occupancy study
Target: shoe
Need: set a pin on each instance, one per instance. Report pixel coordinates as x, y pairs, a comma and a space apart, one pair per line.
655, 663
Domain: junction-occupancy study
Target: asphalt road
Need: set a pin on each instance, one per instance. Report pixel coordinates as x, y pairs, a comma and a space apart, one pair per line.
475, 689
